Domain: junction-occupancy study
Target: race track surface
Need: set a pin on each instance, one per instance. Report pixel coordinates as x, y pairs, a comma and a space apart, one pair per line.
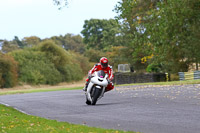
147, 109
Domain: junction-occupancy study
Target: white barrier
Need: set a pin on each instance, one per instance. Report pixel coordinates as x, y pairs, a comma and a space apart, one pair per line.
123, 68
189, 75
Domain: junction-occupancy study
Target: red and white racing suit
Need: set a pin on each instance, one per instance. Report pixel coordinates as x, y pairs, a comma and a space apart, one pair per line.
108, 70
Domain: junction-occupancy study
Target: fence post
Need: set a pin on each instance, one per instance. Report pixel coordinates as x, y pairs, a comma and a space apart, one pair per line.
196, 74
181, 76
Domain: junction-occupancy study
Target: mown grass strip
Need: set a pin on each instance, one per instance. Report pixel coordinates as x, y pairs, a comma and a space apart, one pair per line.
6, 92
20, 91
185, 82
13, 121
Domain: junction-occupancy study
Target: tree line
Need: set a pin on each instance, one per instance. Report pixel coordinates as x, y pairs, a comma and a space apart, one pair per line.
151, 36
163, 34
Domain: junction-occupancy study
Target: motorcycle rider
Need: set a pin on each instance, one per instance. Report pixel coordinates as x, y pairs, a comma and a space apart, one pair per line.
102, 65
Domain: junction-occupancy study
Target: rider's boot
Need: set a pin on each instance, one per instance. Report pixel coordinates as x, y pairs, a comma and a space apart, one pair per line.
85, 88
86, 85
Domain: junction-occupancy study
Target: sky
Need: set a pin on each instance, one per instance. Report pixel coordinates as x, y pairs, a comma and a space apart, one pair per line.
41, 18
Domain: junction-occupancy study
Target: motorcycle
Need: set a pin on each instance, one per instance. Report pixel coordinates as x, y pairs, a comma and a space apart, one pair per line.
96, 87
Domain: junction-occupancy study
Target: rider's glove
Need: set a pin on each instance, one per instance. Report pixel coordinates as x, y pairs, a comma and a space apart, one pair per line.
108, 80
89, 76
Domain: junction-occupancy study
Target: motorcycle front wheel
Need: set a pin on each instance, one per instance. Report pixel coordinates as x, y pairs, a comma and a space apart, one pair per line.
95, 96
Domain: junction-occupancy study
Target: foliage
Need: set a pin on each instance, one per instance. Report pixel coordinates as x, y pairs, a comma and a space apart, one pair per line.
60, 3
8, 71
8, 46
68, 64
153, 68
36, 68
19, 43
70, 42
116, 56
168, 30
74, 43
101, 34
57, 55
176, 20
48, 63
16, 43
31, 41
83, 61
94, 55
130, 14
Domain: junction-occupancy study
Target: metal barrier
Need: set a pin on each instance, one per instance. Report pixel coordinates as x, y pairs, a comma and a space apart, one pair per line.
189, 75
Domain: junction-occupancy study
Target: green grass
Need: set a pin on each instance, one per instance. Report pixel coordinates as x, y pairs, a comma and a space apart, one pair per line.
185, 82
6, 92
13, 121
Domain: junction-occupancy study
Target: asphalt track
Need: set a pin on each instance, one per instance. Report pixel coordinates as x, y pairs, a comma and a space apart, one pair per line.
147, 109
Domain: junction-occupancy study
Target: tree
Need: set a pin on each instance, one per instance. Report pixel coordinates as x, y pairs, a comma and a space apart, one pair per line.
94, 55
8, 71
8, 46
164, 29
31, 41
174, 31
19, 43
16, 43
61, 3
74, 43
63, 60
101, 34
69, 42
133, 14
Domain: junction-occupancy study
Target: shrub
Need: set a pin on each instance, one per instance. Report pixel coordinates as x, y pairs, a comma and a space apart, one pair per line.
153, 68
71, 66
82, 61
8, 71
36, 68
56, 54
48, 63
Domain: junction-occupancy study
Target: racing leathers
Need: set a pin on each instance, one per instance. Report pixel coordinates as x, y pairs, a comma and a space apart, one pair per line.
108, 70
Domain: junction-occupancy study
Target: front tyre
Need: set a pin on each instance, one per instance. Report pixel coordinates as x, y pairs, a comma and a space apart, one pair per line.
96, 95
88, 102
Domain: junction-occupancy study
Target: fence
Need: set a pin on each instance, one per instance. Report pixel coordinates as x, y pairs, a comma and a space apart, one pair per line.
129, 77
189, 75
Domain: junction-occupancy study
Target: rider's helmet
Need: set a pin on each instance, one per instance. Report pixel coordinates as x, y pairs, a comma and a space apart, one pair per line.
104, 62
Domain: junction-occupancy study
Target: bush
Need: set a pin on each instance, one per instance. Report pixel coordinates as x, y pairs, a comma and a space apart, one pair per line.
71, 72
36, 68
8, 71
71, 66
48, 63
174, 77
153, 68
82, 61
56, 54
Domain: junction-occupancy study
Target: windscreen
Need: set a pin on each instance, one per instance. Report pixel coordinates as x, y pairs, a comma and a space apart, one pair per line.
101, 74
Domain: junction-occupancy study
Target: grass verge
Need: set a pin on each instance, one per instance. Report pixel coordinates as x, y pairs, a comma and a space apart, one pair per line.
13, 121
185, 82
20, 91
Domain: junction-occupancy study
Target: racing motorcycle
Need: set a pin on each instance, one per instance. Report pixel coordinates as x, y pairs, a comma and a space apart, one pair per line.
96, 87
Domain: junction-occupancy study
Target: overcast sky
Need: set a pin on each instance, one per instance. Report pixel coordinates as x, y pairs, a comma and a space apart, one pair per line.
24, 18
